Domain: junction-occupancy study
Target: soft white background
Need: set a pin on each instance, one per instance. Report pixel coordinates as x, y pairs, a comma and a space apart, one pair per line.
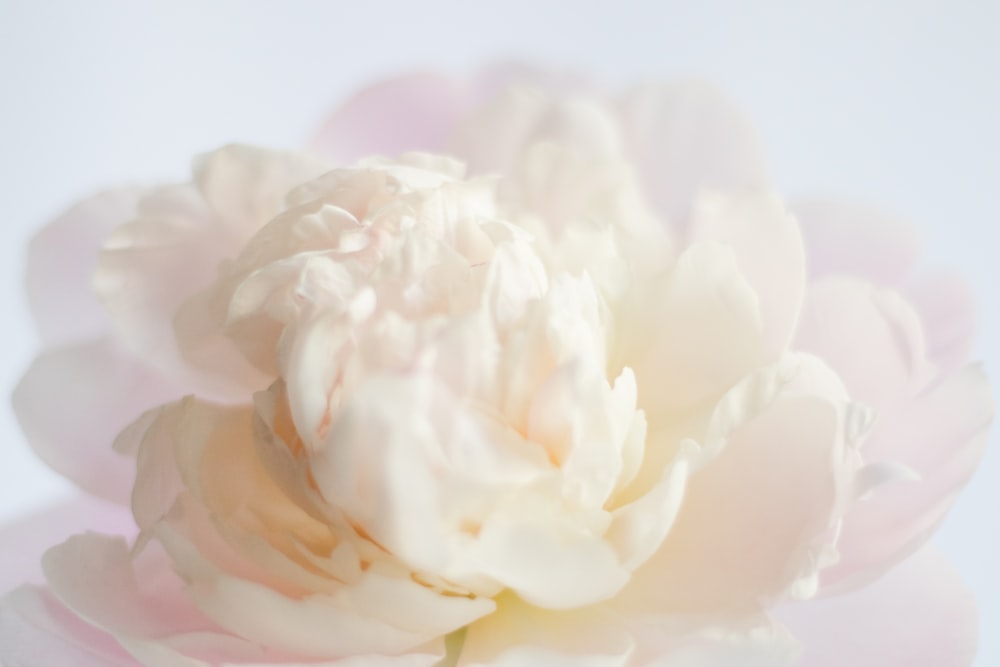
893, 103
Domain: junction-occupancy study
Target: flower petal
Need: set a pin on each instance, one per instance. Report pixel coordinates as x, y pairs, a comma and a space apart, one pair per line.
919, 615
708, 329
61, 259
940, 435
769, 251
36, 629
947, 311
72, 403
844, 239
26, 539
686, 138
749, 519
371, 122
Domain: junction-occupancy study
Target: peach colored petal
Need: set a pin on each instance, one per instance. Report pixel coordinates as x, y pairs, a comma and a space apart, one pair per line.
919, 615
61, 259
72, 403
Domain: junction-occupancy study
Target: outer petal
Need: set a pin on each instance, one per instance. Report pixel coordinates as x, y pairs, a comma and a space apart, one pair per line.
149, 267
918, 615
72, 403
61, 259
143, 605
411, 112
25, 540
36, 629
434, 106
941, 436
686, 138
947, 311
754, 518
853, 240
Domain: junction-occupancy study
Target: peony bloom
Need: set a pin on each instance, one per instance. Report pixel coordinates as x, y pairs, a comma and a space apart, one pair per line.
589, 394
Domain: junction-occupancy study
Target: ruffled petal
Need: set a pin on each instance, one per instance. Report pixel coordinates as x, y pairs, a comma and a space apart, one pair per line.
72, 403
141, 602
61, 259
919, 615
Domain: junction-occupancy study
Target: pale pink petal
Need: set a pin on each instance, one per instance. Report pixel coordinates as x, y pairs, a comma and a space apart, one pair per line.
61, 259
769, 252
853, 240
150, 266
947, 310
918, 615
36, 630
749, 517
72, 403
870, 336
941, 436
26, 539
687, 138
245, 186
412, 112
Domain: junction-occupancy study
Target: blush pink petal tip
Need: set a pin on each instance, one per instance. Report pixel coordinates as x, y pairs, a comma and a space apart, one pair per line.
72, 403
61, 260
27, 538
920, 614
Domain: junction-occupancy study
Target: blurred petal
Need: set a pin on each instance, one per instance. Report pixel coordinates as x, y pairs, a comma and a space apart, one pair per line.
919, 615
61, 259
941, 436
947, 311
769, 251
26, 539
72, 403
519, 635
870, 336
708, 332
149, 267
36, 629
411, 112
748, 522
853, 240
687, 138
